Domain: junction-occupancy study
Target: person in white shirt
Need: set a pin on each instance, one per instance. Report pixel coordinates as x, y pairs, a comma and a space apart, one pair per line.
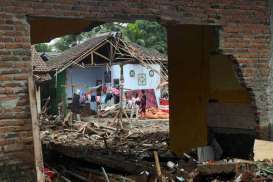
135, 105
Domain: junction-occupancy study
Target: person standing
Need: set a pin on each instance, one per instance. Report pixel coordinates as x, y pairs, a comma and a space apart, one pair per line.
93, 101
143, 104
135, 106
75, 108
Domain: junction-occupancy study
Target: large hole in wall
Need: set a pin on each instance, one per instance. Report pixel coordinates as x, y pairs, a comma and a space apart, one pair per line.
143, 37
145, 71
208, 101
207, 94
231, 108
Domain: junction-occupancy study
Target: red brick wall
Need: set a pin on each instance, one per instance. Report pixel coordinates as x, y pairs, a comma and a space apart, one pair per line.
244, 34
15, 124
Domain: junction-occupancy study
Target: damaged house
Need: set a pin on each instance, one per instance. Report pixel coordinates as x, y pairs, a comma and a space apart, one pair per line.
98, 61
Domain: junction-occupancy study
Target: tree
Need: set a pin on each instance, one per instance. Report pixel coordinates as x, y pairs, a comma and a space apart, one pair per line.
43, 47
67, 42
145, 33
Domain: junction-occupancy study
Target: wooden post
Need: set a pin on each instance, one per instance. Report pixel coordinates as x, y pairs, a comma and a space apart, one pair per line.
92, 58
38, 156
105, 174
38, 98
111, 54
157, 165
56, 79
121, 95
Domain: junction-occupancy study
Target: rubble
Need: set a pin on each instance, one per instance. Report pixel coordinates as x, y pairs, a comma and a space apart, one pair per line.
96, 150
102, 135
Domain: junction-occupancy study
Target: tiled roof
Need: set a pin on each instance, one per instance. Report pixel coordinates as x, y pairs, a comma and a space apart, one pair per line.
68, 56
145, 53
38, 65
74, 52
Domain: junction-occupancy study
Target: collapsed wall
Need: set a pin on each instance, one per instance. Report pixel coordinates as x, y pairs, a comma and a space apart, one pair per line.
245, 34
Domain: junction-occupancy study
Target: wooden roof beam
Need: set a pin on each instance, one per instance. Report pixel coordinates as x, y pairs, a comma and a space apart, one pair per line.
102, 56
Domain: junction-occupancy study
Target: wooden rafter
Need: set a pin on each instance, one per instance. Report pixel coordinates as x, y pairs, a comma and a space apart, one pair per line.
102, 56
77, 64
92, 58
84, 55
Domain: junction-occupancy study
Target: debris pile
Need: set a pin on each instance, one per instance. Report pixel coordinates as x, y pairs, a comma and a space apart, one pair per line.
138, 137
96, 150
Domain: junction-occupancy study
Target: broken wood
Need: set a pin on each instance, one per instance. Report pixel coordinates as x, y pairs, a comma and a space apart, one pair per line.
76, 175
157, 165
65, 179
86, 128
38, 156
44, 109
105, 174
118, 161
67, 119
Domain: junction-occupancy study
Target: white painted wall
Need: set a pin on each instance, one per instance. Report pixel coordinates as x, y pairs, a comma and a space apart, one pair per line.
132, 82
89, 77
86, 77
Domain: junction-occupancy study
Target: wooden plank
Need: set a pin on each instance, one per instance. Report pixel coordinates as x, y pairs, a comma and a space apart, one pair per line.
102, 56
117, 161
39, 165
38, 99
157, 165
188, 84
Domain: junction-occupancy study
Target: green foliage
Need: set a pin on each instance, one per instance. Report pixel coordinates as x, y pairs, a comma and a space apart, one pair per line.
43, 47
145, 33
67, 41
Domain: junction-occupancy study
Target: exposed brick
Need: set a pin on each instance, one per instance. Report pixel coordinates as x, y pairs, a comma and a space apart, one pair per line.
245, 34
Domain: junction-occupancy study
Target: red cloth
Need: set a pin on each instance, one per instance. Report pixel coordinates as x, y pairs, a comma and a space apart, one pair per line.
50, 174
164, 105
115, 91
